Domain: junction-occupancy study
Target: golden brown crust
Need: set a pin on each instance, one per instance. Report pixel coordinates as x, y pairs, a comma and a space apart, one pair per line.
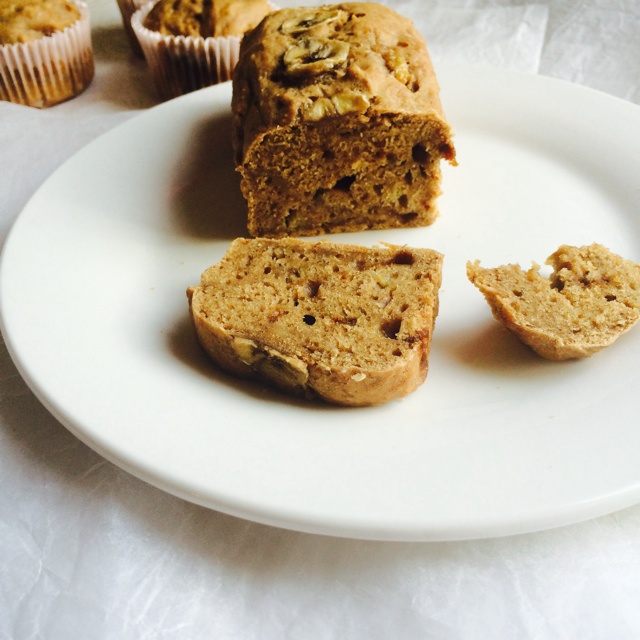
25, 20
206, 18
591, 298
344, 101
348, 324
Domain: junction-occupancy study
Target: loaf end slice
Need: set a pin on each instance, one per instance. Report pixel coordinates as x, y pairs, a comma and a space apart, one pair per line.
589, 300
347, 324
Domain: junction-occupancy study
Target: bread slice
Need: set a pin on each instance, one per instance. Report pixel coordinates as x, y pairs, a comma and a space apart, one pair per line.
349, 324
590, 299
338, 124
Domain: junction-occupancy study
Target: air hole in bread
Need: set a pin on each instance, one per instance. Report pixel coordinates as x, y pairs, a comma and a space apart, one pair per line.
517, 293
312, 287
344, 184
403, 201
446, 151
391, 328
610, 298
403, 257
408, 177
420, 154
408, 217
291, 214
328, 154
309, 319
377, 189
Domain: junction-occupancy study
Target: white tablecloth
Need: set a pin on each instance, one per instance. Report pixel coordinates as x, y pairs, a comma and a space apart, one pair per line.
87, 551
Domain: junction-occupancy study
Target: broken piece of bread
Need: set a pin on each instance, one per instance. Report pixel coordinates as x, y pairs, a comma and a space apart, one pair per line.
349, 324
591, 298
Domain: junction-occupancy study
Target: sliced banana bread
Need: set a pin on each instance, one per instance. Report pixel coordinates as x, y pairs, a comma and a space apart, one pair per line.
348, 324
338, 124
591, 298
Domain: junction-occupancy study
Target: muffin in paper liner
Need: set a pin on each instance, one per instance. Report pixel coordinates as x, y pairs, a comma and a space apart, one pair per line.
181, 64
51, 69
127, 9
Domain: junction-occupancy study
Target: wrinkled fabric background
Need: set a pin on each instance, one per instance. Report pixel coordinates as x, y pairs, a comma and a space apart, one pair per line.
87, 551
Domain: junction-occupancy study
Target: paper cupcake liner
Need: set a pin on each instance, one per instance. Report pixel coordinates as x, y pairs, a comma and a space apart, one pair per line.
127, 9
50, 69
181, 64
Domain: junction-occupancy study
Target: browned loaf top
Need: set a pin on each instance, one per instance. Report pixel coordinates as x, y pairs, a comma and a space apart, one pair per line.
591, 298
206, 18
338, 124
349, 324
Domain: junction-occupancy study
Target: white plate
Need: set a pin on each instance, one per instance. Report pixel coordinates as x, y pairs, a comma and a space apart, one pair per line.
495, 442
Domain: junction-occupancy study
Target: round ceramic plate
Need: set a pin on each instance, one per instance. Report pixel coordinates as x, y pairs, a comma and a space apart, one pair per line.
496, 442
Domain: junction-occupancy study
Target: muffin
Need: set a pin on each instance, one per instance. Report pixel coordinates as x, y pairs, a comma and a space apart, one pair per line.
190, 44
46, 55
127, 9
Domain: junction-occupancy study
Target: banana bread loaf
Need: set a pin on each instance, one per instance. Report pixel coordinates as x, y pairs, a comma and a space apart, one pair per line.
348, 324
338, 124
591, 298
